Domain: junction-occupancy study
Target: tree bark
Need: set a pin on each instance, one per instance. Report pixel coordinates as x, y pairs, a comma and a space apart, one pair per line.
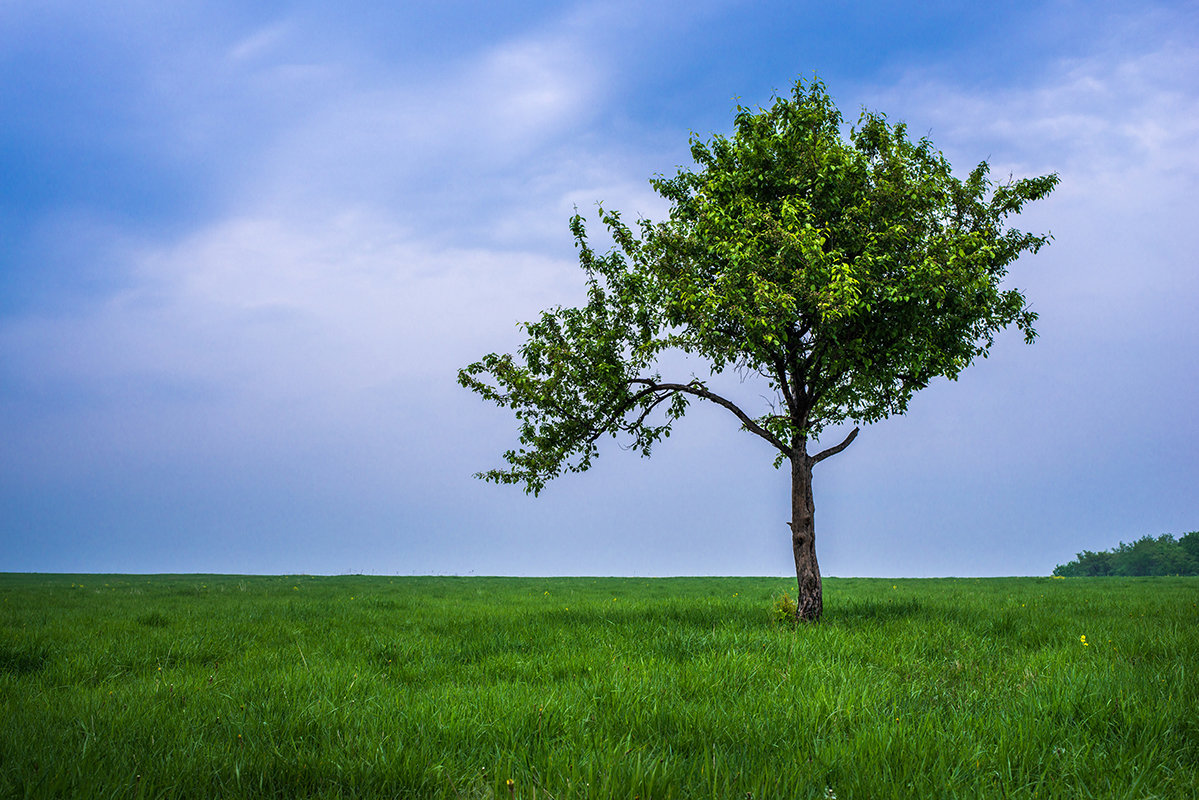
809, 599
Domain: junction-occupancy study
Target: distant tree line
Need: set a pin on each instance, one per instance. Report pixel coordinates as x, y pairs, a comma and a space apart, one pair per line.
1164, 555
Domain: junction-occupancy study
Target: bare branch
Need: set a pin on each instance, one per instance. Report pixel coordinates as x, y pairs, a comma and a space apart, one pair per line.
699, 391
832, 451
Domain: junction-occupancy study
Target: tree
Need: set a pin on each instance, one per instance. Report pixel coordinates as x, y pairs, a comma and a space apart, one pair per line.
1189, 542
1146, 556
847, 271
1087, 564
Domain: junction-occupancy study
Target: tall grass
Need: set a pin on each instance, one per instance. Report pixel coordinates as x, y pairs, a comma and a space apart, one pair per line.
220, 686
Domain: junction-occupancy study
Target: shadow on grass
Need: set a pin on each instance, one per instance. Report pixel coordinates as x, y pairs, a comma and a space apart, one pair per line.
855, 612
20, 661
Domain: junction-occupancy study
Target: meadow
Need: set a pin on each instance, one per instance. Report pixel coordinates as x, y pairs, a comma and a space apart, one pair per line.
207, 686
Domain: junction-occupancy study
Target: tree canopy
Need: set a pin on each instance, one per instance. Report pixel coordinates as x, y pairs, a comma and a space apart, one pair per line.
847, 269
847, 272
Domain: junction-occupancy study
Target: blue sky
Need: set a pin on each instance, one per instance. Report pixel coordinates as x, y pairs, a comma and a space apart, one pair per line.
244, 249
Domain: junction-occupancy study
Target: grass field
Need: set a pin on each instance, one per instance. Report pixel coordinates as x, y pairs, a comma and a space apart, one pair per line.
224, 686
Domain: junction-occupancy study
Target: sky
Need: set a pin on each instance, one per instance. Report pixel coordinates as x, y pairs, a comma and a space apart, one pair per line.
245, 248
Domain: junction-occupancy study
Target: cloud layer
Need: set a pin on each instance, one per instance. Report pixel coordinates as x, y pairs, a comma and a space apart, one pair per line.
235, 311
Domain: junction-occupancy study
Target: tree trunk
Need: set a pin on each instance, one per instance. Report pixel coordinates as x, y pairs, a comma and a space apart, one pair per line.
809, 600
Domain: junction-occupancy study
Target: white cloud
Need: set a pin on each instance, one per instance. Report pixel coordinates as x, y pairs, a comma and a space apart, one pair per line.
322, 295
259, 44
401, 139
1119, 128
269, 312
1111, 114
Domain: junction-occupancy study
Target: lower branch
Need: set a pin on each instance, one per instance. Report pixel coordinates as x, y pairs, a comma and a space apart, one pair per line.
832, 451
699, 391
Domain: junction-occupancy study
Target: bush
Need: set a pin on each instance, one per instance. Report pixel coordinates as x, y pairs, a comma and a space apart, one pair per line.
784, 609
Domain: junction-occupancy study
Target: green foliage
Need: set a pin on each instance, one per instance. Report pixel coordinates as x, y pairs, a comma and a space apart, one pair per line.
368, 687
1145, 556
846, 271
1190, 545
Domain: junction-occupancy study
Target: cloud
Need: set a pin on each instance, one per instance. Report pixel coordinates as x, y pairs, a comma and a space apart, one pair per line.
400, 140
384, 231
1104, 114
264, 313
278, 358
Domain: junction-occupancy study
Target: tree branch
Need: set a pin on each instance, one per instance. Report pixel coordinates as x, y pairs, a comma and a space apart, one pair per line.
780, 370
657, 400
832, 451
632, 401
698, 391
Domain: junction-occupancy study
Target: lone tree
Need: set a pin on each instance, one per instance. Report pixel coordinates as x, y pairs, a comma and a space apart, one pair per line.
847, 271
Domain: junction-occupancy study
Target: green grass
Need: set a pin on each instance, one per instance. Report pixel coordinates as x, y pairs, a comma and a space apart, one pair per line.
220, 686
